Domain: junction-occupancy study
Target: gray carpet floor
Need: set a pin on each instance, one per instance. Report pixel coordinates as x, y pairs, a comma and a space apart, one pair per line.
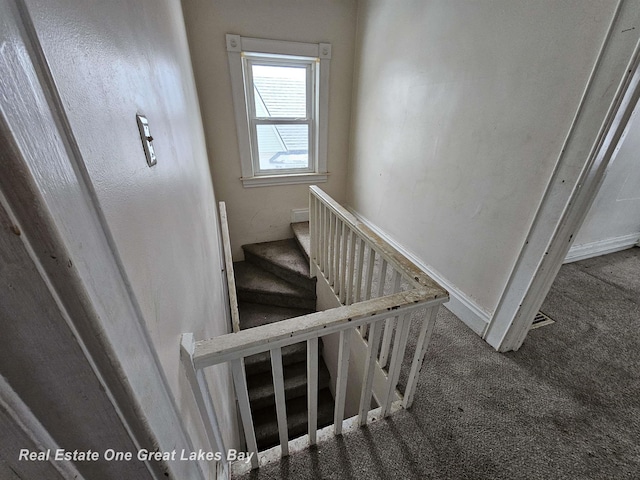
565, 406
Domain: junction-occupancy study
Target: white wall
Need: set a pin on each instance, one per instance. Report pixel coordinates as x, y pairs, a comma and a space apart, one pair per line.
111, 60
460, 112
613, 222
264, 213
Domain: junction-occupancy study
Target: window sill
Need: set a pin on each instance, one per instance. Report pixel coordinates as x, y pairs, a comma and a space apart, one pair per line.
289, 179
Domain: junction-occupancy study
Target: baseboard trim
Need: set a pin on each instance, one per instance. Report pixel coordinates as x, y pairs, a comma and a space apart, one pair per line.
463, 307
602, 247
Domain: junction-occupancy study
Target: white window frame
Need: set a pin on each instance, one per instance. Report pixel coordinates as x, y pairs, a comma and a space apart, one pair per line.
308, 63
242, 52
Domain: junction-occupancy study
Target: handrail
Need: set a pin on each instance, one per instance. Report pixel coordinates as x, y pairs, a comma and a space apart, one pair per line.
294, 330
228, 260
378, 288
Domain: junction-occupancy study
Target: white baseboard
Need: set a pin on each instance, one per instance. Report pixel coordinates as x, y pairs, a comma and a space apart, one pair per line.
602, 247
459, 303
299, 215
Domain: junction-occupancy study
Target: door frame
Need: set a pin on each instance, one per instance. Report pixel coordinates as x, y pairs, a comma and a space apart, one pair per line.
603, 115
54, 209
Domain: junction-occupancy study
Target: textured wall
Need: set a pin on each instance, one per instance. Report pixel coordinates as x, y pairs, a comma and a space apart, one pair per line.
460, 112
110, 61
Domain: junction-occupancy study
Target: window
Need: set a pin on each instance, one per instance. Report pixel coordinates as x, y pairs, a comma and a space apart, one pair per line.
280, 111
280, 101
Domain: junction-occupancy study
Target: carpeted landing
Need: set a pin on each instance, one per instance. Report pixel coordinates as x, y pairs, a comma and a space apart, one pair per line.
565, 406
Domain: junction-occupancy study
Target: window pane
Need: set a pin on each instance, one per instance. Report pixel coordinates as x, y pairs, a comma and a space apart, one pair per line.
280, 91
283, 146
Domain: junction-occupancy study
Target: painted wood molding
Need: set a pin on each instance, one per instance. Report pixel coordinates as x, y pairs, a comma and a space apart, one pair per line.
602, 247
237, 46
600, 121
460, 304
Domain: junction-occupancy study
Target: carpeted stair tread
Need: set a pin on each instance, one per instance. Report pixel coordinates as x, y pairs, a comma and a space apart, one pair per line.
283, 258
301, 233
266, 424
261, 362
252, 278
261, 391
255, 285
254, 315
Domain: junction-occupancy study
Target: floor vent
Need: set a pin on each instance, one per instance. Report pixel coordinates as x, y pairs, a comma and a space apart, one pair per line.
541, 320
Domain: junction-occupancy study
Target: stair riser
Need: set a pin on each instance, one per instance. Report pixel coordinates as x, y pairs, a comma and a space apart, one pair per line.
261, 362
264, 366
254, 315
267, 435
252, 278
287, 275
289, 394
277, 300
302, 249
292, 391
301, 234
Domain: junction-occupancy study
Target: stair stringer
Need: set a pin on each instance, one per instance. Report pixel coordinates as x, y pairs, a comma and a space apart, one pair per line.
327, 299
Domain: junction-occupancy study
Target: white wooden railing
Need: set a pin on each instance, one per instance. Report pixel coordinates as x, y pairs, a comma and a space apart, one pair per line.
228, 261
380, 290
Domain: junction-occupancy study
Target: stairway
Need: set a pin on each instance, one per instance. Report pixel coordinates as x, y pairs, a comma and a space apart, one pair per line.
273, 284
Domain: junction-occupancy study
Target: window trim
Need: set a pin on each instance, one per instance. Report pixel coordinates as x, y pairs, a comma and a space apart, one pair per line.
240, 47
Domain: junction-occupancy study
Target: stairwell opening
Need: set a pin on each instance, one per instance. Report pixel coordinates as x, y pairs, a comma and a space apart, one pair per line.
274, 283
295, 372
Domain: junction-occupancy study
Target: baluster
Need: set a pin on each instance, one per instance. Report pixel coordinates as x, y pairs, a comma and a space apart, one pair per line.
336, 258
382, 277
375, 334
341, 380
327, 236
330, 248
342, 287
388, 327
397, 356
313, 228
371, 263
312, 388
418, 358
336, 255
368, 283
350, 288
358, 286
320, 234
242, 393
281, 408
